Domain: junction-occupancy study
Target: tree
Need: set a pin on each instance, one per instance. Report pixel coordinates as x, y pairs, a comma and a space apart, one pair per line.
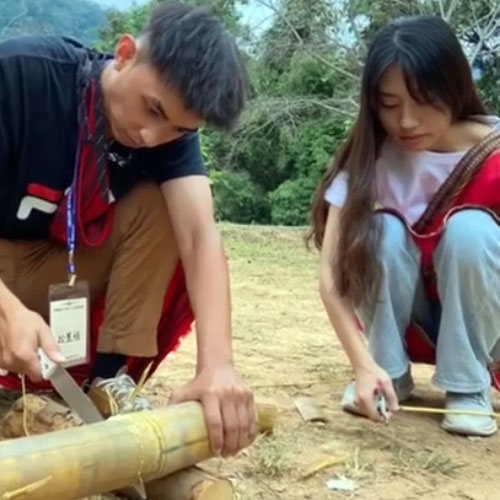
476, 22
134, 20
305, 74
80, 19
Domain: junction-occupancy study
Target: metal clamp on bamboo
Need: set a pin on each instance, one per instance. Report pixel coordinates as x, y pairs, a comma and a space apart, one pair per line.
111, 455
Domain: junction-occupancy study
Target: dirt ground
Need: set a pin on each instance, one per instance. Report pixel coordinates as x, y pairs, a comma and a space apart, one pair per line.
285, 348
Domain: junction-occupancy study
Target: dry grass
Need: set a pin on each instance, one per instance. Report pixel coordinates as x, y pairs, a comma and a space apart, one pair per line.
359, 467
282, 337
429, 460
285, 348
270, 456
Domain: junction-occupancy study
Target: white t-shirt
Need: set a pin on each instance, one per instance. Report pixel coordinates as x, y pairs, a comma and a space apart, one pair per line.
406, 181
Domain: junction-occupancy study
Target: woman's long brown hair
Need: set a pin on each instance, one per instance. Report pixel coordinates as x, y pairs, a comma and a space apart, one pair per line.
436, 71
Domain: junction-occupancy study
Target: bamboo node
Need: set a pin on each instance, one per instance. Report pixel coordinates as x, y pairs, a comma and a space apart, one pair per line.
137, 438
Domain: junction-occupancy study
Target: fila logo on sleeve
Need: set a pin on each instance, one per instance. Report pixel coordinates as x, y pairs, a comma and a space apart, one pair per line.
41, 198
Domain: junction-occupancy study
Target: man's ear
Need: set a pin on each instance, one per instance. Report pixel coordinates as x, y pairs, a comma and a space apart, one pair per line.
125, 52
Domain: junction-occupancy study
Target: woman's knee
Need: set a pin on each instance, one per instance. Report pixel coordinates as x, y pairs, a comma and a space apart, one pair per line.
395, 239
469, 236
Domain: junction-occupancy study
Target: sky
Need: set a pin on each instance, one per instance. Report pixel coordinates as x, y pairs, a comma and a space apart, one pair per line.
256, 15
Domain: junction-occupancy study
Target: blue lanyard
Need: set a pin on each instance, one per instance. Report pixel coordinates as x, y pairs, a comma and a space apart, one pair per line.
71, 219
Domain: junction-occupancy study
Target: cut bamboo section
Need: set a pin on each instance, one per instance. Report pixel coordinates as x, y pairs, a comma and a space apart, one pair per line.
108, 456
190, 484
309, 410
267, 415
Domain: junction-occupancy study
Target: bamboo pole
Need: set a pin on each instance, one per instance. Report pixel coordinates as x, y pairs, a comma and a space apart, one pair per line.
108, 456
190, 484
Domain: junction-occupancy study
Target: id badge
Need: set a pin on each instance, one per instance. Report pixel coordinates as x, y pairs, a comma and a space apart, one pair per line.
69, 318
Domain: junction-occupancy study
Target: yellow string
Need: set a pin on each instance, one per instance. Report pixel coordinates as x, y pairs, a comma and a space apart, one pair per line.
137, 437
25, 404
157, 430
26, 489
137, 420
440, 411
113, 405
143, 416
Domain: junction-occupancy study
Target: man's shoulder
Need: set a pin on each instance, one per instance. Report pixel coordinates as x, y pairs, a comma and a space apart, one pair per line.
179, 158
51, 49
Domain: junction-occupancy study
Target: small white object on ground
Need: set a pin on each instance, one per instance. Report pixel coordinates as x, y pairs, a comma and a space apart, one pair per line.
342, 483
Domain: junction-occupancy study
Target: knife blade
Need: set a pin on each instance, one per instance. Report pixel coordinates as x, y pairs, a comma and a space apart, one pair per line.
81, 404
74, 396
69, 390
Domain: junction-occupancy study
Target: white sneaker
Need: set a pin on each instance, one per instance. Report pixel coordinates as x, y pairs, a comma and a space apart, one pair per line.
402, 385
469, 425
113, 395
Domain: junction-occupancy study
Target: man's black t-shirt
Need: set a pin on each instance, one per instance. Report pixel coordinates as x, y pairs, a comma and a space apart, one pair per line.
38, 137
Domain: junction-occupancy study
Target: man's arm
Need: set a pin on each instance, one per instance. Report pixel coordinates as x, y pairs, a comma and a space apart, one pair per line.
227, 402
22, 331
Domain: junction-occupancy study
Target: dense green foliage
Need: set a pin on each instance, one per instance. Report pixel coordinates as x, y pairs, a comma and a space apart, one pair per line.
304, 69
81, 19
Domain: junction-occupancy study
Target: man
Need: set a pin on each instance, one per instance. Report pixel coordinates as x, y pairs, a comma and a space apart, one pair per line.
125, 129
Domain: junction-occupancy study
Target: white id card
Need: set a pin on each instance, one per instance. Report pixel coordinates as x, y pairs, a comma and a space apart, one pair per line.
69, 320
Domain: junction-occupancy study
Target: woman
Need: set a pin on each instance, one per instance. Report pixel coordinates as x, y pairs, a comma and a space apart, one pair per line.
419, 115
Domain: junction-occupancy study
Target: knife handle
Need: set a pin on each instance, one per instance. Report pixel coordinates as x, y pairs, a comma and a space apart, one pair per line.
46, 364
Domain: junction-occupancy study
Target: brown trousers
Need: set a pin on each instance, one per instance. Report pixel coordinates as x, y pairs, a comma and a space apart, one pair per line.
133, 267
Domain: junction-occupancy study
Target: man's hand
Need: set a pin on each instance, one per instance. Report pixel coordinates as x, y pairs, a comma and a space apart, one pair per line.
227, 402
228, 406
22, 332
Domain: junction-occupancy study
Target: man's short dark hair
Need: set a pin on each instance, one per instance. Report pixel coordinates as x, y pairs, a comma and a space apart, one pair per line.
195, 54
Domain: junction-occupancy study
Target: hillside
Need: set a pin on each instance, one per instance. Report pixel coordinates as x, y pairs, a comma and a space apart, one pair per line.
81, 19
